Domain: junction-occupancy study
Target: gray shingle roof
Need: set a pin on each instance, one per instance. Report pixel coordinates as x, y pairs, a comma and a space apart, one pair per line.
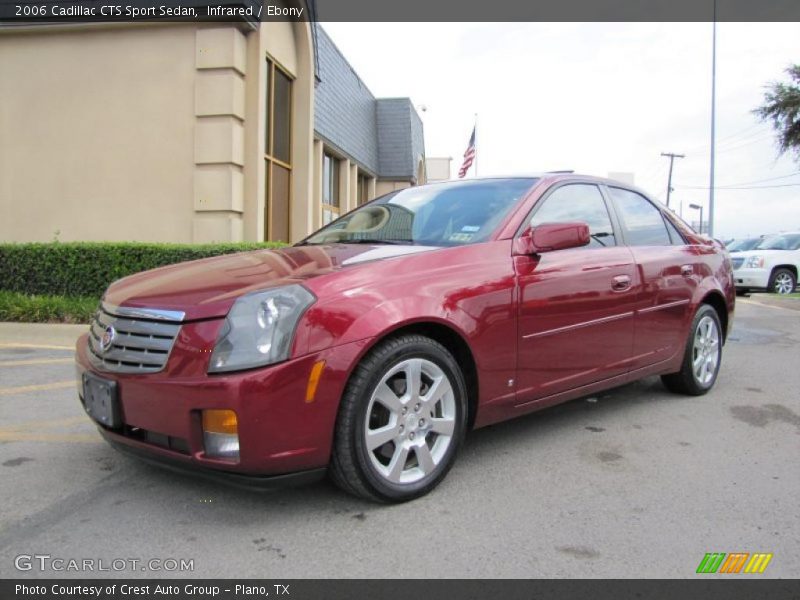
383, 135
399, 138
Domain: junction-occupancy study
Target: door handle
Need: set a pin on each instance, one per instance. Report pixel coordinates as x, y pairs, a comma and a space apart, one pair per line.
687, 270
620, 283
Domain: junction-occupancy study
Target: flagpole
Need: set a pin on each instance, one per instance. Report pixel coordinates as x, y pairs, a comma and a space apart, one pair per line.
476, 144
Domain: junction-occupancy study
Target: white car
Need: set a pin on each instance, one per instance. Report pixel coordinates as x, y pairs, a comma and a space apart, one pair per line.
772, 265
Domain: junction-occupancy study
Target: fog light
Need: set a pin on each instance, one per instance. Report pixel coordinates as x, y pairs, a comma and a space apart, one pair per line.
221, 434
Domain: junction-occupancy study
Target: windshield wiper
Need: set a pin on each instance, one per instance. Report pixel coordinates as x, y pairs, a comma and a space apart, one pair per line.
375, 241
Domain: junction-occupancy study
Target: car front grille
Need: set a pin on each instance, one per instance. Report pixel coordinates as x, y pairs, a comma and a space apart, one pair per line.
737, 262
132, 344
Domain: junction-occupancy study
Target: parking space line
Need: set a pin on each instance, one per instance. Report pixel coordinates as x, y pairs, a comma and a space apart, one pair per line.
45, 424
57, 385
756, 303
35, 361
37, 346
33, 436
36, 431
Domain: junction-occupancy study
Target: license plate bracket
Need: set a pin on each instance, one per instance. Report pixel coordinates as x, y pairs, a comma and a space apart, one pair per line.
101, 400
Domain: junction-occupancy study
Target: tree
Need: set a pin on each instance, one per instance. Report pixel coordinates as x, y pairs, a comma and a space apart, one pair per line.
782, 107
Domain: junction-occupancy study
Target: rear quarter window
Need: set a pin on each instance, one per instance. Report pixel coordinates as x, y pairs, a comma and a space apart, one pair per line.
674, 235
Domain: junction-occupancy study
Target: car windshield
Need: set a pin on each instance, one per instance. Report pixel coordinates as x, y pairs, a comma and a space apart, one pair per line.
789, 241
443, 214
743, 245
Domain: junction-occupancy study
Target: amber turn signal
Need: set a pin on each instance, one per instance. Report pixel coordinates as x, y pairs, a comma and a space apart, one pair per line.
313, 380
220, 421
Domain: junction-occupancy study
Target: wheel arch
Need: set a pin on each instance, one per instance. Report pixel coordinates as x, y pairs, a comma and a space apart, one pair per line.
788, 267
450, 338
717, 301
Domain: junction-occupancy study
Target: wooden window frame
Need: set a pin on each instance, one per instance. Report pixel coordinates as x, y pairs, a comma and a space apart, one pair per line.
269, 158
336, 170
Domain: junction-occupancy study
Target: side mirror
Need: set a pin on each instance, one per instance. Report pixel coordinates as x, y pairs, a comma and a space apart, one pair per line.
551, 236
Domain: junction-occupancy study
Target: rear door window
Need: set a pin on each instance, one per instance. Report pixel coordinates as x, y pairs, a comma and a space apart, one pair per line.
643, 223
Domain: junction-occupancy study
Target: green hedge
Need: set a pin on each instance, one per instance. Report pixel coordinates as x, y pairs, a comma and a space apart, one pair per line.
86, 268
46, 309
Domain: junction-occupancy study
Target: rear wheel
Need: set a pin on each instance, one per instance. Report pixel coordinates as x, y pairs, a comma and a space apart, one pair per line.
401, 421
782, 281
702, 357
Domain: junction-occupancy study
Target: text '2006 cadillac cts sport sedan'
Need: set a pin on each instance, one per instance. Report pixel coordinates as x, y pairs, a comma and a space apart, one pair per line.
369, 349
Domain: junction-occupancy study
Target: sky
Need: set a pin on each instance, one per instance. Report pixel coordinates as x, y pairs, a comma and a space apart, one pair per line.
598, 98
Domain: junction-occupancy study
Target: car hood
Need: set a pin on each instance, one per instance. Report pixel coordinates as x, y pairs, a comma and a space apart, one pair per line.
764, 253
207, 288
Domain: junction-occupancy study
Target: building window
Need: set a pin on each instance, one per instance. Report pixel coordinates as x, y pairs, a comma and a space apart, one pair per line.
362, 191
278, 145
330, 188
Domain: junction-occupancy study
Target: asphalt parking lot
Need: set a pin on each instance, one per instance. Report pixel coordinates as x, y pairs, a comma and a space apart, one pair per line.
635, 482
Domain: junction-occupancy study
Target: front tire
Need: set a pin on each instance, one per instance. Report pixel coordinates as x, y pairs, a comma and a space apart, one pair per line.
702, 357
782, 281
401, 421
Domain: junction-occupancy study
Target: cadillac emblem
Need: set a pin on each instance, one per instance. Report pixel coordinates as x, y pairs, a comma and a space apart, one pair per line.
109, 335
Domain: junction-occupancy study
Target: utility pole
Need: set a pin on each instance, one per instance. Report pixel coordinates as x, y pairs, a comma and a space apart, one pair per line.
672, 157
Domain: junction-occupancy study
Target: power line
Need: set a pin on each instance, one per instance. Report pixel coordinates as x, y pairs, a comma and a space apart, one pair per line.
743, 134
738, 145
728, 141
754, 187
748, 130
653, 176
732, 138
747, 143
764, 180
741, 183
751, 136
761, 180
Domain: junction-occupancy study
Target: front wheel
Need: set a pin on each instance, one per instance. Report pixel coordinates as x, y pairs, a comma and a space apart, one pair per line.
401, 421
782, 281
702, 357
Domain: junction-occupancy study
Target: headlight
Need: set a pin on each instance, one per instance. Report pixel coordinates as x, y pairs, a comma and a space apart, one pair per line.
259, 328
754, 262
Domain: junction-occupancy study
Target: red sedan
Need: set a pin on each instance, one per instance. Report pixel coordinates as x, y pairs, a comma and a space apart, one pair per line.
369, 349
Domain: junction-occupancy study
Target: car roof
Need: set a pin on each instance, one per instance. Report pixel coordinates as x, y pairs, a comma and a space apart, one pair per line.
557, 176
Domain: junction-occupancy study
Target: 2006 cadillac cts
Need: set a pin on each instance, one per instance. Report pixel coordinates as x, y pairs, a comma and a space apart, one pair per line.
370, 348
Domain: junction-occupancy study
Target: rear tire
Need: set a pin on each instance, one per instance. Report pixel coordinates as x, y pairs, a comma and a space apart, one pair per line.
401, 421
702, 356
782, 281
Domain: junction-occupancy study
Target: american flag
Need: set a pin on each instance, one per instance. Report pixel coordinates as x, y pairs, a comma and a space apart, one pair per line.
469, 156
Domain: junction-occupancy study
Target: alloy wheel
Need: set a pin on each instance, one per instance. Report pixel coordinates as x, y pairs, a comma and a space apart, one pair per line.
411, 420
706, 351
783, 284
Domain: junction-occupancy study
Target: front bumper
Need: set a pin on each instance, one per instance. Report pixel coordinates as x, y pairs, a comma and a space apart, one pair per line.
249, 482
751, 278
279, 432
